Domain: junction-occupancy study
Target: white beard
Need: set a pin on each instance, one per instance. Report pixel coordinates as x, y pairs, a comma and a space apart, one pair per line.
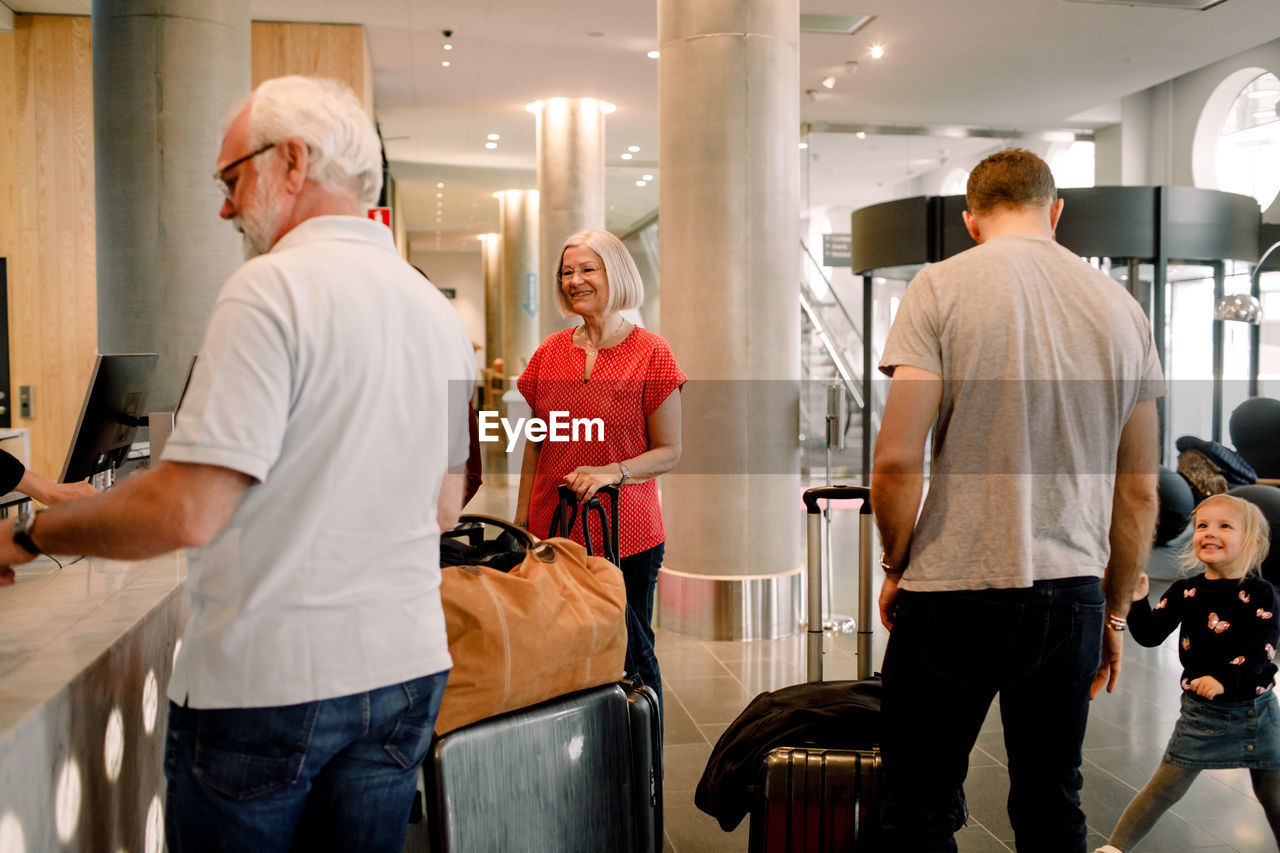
256, 220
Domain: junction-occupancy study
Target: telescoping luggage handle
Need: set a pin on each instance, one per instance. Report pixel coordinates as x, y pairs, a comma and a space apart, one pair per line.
567, 513
814, 536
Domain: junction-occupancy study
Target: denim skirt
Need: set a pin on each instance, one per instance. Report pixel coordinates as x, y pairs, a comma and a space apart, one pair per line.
1213, 734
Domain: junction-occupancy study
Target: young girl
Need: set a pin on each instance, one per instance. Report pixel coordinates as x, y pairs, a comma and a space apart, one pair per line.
1228, 636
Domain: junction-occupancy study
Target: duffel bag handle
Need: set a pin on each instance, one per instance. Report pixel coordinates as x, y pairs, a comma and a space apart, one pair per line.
526, 539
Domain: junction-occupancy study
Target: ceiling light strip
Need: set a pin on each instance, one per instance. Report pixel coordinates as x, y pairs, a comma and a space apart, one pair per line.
949, 131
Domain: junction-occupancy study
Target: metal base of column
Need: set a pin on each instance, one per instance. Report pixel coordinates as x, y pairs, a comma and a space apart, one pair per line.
711, 607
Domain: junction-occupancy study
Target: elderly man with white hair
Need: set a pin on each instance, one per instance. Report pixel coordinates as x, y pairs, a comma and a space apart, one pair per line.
316, 458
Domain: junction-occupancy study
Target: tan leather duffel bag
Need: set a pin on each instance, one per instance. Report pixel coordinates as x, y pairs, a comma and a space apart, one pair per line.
554, 624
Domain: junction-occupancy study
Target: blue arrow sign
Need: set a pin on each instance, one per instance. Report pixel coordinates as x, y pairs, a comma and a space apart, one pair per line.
530, 304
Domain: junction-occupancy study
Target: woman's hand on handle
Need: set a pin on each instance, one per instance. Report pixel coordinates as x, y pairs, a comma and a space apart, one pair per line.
586, 480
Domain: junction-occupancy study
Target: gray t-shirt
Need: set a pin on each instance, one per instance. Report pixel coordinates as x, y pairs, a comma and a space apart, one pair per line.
1043, 359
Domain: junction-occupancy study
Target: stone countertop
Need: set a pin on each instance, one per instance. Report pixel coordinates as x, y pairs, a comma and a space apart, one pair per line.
55, 622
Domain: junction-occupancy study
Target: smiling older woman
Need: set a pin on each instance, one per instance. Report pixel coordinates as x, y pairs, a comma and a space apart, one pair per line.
610, 369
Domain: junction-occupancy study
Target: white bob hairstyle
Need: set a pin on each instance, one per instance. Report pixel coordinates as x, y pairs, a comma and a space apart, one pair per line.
625, 288
342, 142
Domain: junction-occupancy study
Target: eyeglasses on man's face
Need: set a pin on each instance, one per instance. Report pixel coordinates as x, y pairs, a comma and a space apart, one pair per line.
224, 178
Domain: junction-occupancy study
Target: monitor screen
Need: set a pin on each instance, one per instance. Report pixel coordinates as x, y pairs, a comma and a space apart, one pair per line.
113, 410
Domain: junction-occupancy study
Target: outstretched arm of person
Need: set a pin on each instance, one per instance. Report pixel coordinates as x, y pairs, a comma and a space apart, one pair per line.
48, 492
178, 505
897, 478
1133, 522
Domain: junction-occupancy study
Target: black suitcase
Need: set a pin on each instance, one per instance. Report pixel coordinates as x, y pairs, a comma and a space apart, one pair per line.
577, 773
810, 799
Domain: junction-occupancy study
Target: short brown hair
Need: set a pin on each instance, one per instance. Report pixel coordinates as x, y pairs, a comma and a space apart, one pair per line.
1010, 178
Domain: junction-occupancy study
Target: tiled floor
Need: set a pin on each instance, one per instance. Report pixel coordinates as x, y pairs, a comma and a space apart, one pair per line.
706, 684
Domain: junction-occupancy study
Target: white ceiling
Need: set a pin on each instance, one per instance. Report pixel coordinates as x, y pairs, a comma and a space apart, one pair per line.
1024, 65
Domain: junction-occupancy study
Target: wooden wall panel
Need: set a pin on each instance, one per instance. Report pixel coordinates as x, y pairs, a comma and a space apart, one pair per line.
47, 222
316, 50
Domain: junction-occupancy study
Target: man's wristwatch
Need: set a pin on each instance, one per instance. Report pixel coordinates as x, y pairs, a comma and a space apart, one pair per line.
22, 533
625, 474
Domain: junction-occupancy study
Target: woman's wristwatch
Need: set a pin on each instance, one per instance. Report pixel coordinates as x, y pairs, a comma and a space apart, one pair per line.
625, 474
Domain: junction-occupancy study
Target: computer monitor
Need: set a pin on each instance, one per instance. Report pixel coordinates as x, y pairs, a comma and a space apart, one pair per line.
114, 408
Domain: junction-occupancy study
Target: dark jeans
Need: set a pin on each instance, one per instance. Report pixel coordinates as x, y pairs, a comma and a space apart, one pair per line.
640, 575
337, 774
949, 654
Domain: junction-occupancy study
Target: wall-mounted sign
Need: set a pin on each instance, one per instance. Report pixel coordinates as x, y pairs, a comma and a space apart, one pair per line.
381, 214
837, 250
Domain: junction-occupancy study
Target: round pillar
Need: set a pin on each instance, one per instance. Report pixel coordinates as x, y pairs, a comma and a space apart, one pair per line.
491, 271
570, 182
165, 74
520, 291
730, 228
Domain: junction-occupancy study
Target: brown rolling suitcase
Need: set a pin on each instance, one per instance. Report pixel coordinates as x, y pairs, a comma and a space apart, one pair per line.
811, 799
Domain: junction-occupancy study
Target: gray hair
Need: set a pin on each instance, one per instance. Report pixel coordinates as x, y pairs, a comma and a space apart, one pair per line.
342, 143
626, 290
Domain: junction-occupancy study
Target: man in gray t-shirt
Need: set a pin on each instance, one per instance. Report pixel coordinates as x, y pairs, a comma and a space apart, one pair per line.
1038, 376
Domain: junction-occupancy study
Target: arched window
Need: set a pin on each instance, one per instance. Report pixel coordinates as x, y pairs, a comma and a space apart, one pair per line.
1237, 143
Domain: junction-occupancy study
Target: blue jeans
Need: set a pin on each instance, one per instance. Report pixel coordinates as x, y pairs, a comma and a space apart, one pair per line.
949, 654
338, 774
640, 576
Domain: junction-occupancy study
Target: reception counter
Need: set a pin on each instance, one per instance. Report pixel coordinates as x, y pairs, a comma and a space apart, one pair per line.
85, 656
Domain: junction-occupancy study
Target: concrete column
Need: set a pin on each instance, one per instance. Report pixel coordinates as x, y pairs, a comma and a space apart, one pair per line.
571, 183
730, 228
165, 73
491, 270
520, 291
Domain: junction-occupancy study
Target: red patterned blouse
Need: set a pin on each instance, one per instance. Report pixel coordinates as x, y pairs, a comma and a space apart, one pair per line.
629, 381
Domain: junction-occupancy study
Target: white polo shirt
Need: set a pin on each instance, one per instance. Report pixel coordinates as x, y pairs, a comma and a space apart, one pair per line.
338, 377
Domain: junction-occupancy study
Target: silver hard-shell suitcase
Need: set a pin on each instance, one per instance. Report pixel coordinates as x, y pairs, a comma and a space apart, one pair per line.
577, 773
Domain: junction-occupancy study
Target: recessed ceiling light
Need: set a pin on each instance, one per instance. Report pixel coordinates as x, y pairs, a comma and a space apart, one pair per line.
647, 177
653, 54
641, 183
440, 185
877, 51
445, 64
828, 82
804, 145
491, 145
493, 137
626, 156
448, 46
862, 134
439, 195
633, 148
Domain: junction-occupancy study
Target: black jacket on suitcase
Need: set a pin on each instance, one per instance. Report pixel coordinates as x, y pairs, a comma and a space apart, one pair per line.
839, 714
